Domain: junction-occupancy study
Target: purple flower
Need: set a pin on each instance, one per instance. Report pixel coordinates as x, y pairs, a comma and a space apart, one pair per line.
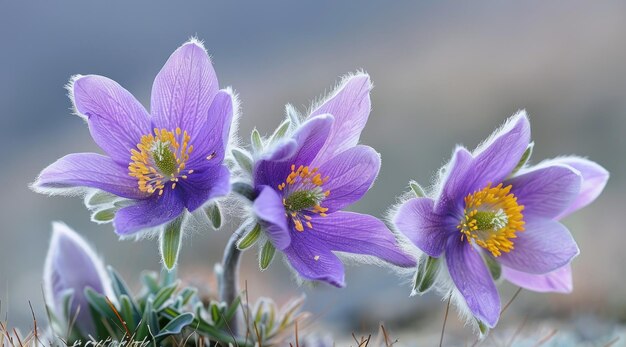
484, 208
306, 180
166, 162
71, 266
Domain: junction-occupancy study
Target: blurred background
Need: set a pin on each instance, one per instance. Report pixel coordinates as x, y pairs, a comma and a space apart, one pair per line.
444, 73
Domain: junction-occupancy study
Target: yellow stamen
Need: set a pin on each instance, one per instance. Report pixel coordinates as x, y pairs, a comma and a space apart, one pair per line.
160, 158
491, 219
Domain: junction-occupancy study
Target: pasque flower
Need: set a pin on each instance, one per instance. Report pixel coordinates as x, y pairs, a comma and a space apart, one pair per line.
166, 161
304, 182
486, 206
71, 267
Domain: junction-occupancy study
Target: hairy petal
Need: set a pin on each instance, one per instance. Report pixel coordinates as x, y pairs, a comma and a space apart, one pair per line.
205, 184
545, 192
80, 170
212, 139
417, 220
473, 280
149, 213
454, 182
350, 105
497, 157
312, 260
116, 120
300, 150
268, 207
360, 234
544, 246
594, 179
71, 265
351, 174
557, 281
184, 89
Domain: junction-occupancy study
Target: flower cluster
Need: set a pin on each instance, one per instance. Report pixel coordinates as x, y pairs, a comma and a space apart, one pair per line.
489, 215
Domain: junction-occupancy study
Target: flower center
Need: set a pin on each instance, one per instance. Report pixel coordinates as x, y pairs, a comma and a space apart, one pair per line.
303, 193
491, 218
160, 158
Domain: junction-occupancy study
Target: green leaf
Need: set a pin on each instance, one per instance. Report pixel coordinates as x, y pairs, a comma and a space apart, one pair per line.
524, 159
482, 327
426, 274
121, 289
244, 189
232, 309
150, 280
186, 294
494, 267
127, 312
98, 198
280, 132
170, 243
243, 159
256, 141
175, 326
267, 254
290, 310
164, 294
146, 327
417, 189
104, 216
249, 238
214, 213
119, 286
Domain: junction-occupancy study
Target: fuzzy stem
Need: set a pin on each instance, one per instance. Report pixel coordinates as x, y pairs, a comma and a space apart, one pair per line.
229, 276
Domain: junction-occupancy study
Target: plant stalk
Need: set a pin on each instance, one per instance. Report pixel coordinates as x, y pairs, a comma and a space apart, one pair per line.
229, 276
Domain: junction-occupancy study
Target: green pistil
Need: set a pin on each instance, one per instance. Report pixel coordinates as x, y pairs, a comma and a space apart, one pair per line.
302, 200
490, 220
164, 159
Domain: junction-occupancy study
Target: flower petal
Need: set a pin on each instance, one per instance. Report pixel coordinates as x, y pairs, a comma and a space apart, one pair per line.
497, 156
149, 213
273, 169
417, 220
454, 183
557, 281
183, 90
116, 120
70, 174
350, 105
543, 247
313, 261
545, 191
72, 265
351, 174
205, 184
594, 178
359, 234
268, 207
212, 139
473, 280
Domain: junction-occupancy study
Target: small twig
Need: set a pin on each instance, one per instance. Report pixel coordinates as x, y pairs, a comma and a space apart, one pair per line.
17, 336
517, 331
34, 322
382, 327
510, 301
547, 338
297, 342
612, 342
445, 319
258, 336
118, 315
229, 329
